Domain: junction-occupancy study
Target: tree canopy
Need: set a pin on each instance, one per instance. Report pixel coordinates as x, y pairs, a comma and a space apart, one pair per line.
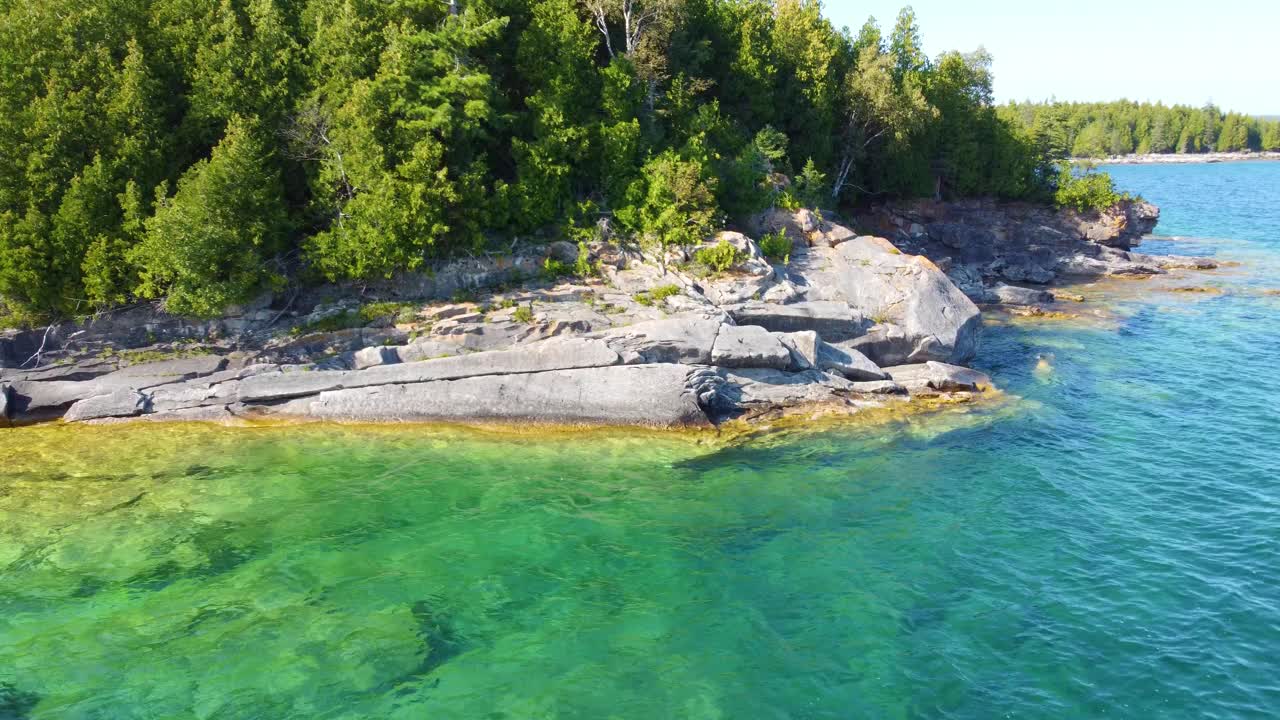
1092, 130
200, 151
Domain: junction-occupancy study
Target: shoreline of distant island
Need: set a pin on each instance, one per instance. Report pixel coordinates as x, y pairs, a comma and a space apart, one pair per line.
1180, 158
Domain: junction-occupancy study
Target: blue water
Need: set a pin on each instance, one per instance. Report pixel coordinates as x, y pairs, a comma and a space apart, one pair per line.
1106, 543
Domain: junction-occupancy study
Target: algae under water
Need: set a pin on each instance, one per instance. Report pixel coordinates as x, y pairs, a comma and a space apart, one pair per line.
1109, 548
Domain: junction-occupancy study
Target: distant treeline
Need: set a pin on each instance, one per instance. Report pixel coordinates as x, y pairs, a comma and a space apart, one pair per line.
1124, 127
202, 150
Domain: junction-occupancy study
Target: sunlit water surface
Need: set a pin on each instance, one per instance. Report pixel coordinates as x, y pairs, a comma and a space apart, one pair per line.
1108, 545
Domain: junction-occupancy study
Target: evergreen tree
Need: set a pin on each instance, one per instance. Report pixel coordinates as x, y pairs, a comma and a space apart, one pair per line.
674, 203
905, 45
410, 181
388, 132
213, 242
556, 58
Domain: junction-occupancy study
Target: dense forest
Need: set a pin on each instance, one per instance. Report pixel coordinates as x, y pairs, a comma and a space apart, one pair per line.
1092, 130
197, 151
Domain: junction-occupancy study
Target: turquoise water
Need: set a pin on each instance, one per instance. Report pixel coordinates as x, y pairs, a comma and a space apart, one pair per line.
1105, 544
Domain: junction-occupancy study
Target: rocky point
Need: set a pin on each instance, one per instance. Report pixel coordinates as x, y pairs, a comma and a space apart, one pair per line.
845, 321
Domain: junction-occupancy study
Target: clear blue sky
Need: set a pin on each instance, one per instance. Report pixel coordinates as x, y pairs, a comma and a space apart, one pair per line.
1175, 51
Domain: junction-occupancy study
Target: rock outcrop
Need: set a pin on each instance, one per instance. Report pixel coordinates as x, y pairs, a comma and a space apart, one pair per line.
850, 322
983, 245
683, 371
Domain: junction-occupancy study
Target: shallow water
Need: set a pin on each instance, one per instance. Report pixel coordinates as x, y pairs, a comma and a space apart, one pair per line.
1107, 544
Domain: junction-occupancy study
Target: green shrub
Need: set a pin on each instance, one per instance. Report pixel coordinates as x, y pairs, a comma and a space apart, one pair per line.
19, 317
1085, 189
178, 352
811, 186
400, 312
662, 292
746, 184
776, 246
523, 314
658, 294
787, 200
553, 269
582, 267
719, 257
333, 323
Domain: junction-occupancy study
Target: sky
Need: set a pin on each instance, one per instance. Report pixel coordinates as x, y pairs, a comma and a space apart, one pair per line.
1173, 51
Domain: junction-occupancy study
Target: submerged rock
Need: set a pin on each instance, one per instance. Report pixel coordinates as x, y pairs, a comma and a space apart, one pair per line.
1013, 295
1176, 262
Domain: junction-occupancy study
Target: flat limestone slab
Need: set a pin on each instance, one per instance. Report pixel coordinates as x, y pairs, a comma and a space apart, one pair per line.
939, 377
775, 388
833, 320
290, 384
190, 367
72, 372
657, 395
123, 402
673, 340
848, 363
554, 354
749, 346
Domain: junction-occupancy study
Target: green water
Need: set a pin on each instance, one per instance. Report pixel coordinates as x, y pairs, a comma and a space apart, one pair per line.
1105, 544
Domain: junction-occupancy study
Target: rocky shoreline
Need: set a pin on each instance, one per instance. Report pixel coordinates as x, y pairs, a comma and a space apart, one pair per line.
845, 322
1181, 158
